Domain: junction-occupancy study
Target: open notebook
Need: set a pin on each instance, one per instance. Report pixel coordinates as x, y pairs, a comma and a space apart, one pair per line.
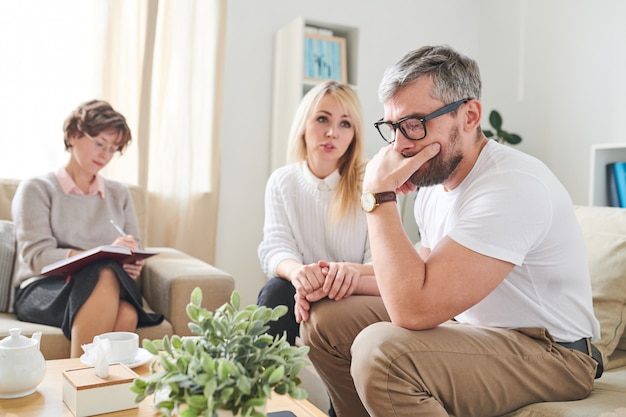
120, 254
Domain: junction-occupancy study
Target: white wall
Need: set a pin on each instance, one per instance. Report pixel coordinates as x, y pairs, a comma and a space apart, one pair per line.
553, 68
556, 70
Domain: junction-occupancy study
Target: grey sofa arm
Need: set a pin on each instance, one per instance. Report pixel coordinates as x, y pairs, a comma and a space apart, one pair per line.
168, 278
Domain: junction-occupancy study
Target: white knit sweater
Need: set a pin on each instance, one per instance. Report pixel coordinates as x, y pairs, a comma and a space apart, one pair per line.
296, 222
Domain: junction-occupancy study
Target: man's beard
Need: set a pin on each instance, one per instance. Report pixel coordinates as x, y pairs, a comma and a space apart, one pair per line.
439, 168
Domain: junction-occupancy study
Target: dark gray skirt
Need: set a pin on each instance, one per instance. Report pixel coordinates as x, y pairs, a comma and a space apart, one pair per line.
54, 300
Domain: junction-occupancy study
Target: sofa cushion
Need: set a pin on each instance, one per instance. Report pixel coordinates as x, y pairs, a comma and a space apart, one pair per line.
604, 229
608, 399
617, 360
7, 262
7, 190
622, 342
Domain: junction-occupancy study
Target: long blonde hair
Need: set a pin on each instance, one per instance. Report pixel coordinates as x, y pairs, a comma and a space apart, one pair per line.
345, 202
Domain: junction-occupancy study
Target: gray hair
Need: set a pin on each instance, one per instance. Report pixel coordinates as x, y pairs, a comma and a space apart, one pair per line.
455, 76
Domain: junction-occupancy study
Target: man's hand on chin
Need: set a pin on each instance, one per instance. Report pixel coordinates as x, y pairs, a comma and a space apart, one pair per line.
390, 170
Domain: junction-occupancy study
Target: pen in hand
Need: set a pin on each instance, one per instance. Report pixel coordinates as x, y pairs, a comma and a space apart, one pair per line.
119, 229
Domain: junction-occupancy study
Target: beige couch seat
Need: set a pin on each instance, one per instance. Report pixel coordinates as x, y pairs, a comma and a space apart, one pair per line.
166, 282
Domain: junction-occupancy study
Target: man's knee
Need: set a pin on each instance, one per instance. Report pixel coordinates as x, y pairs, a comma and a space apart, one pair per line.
366, 352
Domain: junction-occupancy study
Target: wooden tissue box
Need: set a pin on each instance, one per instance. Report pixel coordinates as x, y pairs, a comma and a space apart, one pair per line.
86, 394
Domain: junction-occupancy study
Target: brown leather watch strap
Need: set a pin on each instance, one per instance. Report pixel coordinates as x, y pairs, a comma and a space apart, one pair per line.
385, 197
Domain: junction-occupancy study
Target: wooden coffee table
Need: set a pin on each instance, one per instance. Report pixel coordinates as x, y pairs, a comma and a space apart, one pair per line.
48, 399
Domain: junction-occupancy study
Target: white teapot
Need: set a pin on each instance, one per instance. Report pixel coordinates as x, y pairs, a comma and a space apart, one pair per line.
22, 366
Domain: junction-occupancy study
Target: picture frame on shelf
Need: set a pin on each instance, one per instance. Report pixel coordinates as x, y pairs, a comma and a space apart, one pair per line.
325, 58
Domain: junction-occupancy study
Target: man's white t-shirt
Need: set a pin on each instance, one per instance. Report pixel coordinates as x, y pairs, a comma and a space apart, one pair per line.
512, 207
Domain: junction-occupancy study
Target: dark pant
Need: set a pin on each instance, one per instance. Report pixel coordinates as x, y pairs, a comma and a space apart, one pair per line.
275, 292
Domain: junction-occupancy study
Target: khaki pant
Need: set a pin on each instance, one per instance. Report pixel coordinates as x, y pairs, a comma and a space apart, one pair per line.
372, 367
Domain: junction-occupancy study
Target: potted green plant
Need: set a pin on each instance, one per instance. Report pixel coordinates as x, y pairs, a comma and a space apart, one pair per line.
498, 133
231, 364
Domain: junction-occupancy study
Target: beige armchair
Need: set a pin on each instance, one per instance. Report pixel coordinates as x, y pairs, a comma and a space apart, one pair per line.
166, 282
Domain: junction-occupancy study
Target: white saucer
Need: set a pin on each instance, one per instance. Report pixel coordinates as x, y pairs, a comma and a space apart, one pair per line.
141, 358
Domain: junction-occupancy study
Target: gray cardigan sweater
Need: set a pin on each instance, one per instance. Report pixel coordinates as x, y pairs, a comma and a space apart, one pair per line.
48, 222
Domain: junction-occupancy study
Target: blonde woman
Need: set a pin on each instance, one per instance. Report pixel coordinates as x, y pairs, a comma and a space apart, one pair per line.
315, 241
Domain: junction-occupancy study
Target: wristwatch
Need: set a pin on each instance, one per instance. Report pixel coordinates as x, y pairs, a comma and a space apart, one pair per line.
370, 200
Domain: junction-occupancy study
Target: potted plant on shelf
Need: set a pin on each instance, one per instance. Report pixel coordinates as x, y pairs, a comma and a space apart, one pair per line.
499, 134
231, 365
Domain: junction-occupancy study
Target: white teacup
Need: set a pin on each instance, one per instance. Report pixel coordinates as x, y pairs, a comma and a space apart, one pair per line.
124, 345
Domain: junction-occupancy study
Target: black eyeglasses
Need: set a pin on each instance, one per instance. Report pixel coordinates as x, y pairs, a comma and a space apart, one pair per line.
413, 127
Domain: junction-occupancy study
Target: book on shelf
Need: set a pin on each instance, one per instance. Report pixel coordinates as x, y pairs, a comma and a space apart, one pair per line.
616, 183
316, 30
120, 254
324, 58
613, 196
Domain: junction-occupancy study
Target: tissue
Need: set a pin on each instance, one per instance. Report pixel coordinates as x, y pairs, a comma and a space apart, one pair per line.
98, 354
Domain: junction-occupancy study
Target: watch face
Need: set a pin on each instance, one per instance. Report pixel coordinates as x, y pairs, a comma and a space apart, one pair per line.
368, 201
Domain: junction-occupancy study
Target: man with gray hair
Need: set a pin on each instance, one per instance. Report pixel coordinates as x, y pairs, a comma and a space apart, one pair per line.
494, 311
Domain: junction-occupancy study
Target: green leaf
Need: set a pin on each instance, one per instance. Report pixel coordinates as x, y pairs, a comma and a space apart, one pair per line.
189, 346
166, 345
268, 371
139, 383
235, 300
197, 401
514, 139
226, 394
194, 328
256, 402
278, 312
244, 385
175, 378
193, 312
208, 364
281, 389
210, 388
276, 375
488, 133
298, 394
196, 297
176, 342
189, 412
150, 346
223, 369
495, 119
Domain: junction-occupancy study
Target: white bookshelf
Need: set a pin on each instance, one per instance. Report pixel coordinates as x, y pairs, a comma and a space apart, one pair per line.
600, 156
289, 83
